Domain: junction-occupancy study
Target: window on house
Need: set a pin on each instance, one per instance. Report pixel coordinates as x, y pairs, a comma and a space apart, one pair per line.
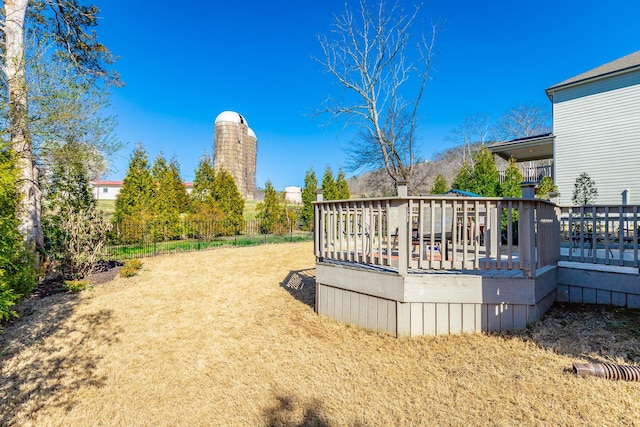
105, 190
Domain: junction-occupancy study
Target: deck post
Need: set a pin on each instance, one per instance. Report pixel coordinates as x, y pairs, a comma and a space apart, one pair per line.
527, 232
403, 228
318, 228
493, 235
528, 189
401, 188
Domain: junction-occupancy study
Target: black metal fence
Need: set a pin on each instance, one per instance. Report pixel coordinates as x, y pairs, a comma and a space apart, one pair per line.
149, 238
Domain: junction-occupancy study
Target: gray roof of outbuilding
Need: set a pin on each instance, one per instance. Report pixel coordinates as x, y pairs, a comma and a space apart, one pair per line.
626, 63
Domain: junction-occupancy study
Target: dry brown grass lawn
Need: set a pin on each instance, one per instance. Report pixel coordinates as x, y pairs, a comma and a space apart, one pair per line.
228, 337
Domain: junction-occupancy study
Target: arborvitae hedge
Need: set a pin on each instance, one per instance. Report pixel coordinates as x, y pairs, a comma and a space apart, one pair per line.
439, 185
135, 197
308, 197
271, 211
215, 197
341, 187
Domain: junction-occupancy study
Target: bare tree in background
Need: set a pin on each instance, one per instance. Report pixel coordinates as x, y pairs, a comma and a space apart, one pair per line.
368, 54
523, 121
475, 129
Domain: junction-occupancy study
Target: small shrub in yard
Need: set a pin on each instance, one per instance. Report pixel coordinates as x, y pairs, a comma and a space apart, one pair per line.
130, 268
75, 239
74, 286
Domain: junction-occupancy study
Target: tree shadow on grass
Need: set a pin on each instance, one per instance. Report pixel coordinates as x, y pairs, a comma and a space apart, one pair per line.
596, 333
290, 411
45, 357
301, 284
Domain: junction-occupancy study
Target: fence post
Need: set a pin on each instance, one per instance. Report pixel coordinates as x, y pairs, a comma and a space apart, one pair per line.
199, 233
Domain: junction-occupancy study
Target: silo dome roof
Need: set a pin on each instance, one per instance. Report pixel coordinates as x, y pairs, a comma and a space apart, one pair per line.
231, 116
251, 133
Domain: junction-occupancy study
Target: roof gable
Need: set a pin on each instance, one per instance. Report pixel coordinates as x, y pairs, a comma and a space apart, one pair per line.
626, 63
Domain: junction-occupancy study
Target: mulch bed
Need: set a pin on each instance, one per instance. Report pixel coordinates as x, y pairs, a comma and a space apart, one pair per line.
104, 272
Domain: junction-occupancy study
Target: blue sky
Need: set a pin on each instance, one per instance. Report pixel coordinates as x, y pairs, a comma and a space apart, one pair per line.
255, 58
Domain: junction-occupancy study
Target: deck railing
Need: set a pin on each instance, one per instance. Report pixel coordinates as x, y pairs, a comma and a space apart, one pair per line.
601, 234
439, 233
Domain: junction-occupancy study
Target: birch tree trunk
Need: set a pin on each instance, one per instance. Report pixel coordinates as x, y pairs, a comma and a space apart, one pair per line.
15, 72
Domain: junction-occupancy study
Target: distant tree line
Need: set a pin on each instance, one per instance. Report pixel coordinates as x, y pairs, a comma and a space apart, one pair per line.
156, 193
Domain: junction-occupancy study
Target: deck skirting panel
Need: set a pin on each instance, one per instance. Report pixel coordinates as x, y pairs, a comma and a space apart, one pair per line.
584, 286
431, 304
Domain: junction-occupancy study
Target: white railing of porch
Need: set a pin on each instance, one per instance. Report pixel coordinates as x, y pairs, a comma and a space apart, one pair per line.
530, 173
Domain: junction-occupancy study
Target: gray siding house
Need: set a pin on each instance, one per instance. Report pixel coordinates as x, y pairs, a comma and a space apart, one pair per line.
596, 129
596, 123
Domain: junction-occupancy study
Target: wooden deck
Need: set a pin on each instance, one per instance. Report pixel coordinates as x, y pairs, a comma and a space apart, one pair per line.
410, 266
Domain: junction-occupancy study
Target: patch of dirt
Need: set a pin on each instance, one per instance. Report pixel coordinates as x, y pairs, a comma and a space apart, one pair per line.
104, 272
47, 288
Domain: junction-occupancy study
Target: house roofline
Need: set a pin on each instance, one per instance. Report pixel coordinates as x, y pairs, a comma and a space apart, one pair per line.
627, 64
562, 86
100, 182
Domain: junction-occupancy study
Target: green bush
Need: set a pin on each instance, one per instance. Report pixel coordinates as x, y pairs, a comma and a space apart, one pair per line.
8, 299
17, 272
545, 187
130, 268
75, 286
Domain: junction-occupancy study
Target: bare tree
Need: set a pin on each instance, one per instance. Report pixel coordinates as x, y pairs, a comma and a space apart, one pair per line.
475, 129
368, 54
523, 121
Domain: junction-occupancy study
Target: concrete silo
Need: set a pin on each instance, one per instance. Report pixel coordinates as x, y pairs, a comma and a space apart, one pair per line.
235, 149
